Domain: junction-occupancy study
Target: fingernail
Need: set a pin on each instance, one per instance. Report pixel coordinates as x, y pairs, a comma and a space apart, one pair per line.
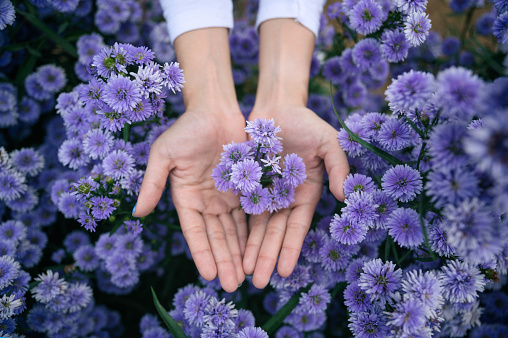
134, 209
248, 276
240, 284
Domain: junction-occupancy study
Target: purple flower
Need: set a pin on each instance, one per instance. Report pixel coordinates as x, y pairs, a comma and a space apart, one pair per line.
7, 13
395, 47
195, 308
281, 195
426, 288
236, 152
417, 27
366, 16
52, 78
49, 287
222, 177
64, 6
334, 256
315, 300
220, 314
12, 185
252, 332
9, 271
445, 145
97, 143
105, 245
149, 79
411, 6
402, 182
173, 76
79, 296
134, 227
102, 207
86, 258
358, 182
404, 226
34, 88
356, 299
410, 91
142, 55
360, 208
294, 170
244, 319
395, 134
409, 315
118, 164
459, 93
69, 205
332, 70
386, 206
438, 240
499, 28
366, 53
89, 45
380, 280
461, 282
87, 221
347, 231
263, 132
353, 148
256, 201
368, 324
72, 154
246, 175
314, 240
121, 94
451, 186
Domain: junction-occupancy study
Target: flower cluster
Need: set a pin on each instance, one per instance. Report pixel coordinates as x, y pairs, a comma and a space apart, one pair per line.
250, 167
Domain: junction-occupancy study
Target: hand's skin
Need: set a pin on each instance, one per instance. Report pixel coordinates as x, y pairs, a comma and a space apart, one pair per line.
188, 151
285, 53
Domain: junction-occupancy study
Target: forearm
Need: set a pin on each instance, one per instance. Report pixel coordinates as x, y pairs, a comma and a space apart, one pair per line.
285, 56
204, 56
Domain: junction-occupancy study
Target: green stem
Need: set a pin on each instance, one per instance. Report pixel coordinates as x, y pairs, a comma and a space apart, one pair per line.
424, 229
469, 16
126, 132
413, 125
257, 152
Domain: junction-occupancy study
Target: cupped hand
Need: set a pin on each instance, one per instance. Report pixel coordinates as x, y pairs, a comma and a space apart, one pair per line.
211, 223
283, 232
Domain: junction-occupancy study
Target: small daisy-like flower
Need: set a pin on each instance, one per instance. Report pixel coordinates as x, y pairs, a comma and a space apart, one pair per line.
222, 177
49, 287
9, 270
380, 280
425, 287
256, 201
294, 170
402, 183
263, 132
149, 78
360, 208
410, 91
395, 47
395, 134
52, 78
252, 332
316, 299
281, 195
409, 315
332, 70
220, 313
333, 256
86, 258
356, 299
500, 28
236, 152
102, 207
72, 154
272, 163
366, 53
7, 13
121, 94
366, 16
417, 28
12, 185
347, 231
195, 308
8, 305
358, 182
438, 240
411, 6
404, 226
79, 296
118, 164
173, 76
246, 175
369, 324
461, 282
353, 148
27, 161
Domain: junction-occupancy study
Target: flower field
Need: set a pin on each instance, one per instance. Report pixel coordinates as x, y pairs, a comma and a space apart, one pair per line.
419, 247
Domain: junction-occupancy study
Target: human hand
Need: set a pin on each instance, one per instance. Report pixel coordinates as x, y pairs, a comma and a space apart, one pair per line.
315, 141
211, 223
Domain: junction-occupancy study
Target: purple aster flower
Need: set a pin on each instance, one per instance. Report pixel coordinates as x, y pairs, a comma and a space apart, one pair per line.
86, 258
129, 245
366, 53
79, 296
140, 152
64, 6
92, 93
195, 308
488, 146
459, 93
236, 152
256, 201
219, 313
438, 240
9, 271
7, 14
395, 134
355, 269
426, 288
450, 46
222, 177
149, 79
411, 6
358, 182
52, 78
353, 148
26, 201
333, 255
50, 286
183, 294
34, 88
12, 185
75, 240
132, 182
354, 94
380, 280
105, 245
97, 143
305, 322
445, 145
244, 319
395, 47
246, 175
287, 331
315, 300
499, 28
417, 27
451, 186
366, 16
461, 282
360, 208
347, 62
404, 226
69, 205
142, 55
385, 207
294, 170
409, 316
102, 207
263, 132
106, 22
118, 164
332, 70
402, 182
121, 94
281, 195
410, 91
89, 45
356, 299
314, 240
369, 324
134, 227
29, 110
83, 188
346, 231
87, 221
13, 231
120, 265
72, 154
252, 332
173, 76
336, 11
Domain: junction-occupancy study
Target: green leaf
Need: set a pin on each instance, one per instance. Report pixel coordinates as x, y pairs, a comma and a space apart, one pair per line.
173, 326
276, 320
379, 152
25, 69
115, 228
37, 23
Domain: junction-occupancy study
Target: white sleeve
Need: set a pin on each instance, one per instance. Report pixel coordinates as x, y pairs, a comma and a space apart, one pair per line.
306, 12
186, 15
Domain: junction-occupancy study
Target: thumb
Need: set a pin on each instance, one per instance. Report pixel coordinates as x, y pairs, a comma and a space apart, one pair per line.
154, 181
337, 167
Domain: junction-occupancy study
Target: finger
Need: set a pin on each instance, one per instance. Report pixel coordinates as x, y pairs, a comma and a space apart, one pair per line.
154, 181
270, 249
241, 225
298, 225
223, 260
233, 244
257, 226
337, 167
194, 231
